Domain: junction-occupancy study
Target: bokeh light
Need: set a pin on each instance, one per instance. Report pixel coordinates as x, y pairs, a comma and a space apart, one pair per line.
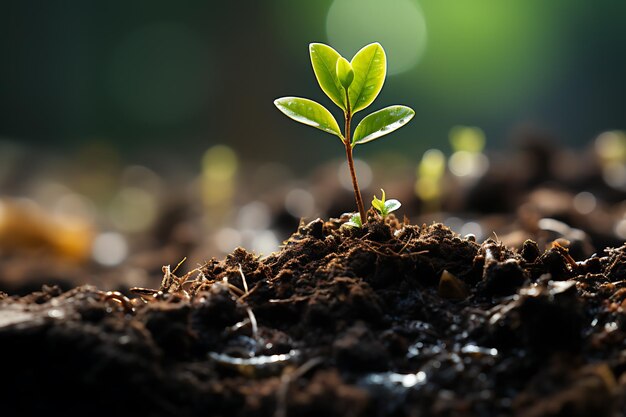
255, 215
584, 202
620, 229
467, 138
109, 249
133, 209
300, 203
398, 25
472, 228
468, 164
219, 168
611, 146
227, 239
429, 173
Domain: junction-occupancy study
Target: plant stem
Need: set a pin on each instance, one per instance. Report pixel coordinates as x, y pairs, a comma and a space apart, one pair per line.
355, 184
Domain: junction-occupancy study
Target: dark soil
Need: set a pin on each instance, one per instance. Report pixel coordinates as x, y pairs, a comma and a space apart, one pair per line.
390, 320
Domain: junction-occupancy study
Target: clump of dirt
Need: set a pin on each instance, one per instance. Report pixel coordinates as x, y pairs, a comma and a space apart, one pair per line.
388, 320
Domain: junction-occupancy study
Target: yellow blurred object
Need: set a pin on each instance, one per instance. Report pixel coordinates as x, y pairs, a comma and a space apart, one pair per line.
219, 170
219, 167
611, 146
467, 138
468, 159
428, 189
430, 171
25, 226
433, 164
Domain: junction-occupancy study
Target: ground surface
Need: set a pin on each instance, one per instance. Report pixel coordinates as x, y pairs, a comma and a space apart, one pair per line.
391, 320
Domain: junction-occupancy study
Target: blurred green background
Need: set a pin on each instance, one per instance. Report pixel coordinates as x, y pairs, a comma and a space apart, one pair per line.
182, 76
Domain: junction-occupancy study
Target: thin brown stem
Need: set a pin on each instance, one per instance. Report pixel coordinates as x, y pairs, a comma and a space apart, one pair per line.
355, 183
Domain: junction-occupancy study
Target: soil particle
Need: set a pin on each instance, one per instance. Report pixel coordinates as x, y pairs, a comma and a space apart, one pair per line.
503, 278
314, 229
553, 263
530, 251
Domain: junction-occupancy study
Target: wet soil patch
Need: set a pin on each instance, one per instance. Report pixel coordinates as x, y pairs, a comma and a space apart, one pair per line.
389, 320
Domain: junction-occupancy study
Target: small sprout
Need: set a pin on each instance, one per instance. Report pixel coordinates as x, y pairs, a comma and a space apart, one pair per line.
384, 207
345, 73
352, 86
355, 221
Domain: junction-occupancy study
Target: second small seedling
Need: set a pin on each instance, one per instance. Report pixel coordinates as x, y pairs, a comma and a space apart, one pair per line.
384, 207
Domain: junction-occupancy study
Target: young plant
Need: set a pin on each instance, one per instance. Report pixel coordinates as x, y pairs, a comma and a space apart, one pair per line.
384, 207
352, 86
355, 221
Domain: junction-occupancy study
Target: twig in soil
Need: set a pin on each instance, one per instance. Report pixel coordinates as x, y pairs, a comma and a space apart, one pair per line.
253, 322
393, 253
185, 278
170, 284
565, 253
144, 292
173, 284
293, 299
178, 265
286, 379
376, 251
168, 279
231, 287
499, 311
120, 299
243, 279
243, 297
408, 240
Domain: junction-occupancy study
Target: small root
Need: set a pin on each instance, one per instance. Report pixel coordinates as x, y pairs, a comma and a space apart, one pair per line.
120, 299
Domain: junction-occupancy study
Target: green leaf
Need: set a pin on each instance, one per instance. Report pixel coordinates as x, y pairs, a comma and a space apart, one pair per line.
324, 60
381, 123
355, 221
392, 205
379, 204
383, 206
345, 73
310, 113
370, 68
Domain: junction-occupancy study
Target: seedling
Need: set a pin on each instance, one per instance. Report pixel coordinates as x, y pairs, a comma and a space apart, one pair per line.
352, 86
355, 221
384, 207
